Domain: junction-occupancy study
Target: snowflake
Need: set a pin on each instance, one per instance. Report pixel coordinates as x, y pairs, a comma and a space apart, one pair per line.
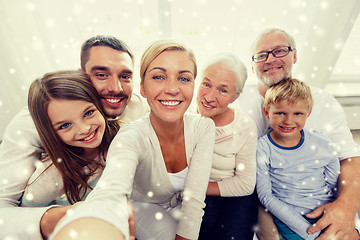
78, 9
150, 194
73, 234
32, 228
177, 214
158, 216
301, 168
31, 7
256, 228
49, 23
328, 127
70, 212
339, 45
29, 197
12, 71
26, 171
241, 167
324, 5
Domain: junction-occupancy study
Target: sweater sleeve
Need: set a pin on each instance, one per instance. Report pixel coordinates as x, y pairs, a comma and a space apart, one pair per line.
197, 178
20, 150
283, 211
44, 186
332, 169
244, 179
108, 200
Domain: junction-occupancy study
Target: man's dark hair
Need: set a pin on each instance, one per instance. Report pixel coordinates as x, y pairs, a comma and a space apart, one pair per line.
102, 40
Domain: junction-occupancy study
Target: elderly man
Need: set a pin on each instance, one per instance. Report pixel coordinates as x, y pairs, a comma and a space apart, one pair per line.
274, 53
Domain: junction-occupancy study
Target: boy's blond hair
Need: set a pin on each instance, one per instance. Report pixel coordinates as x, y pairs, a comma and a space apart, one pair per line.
291, 90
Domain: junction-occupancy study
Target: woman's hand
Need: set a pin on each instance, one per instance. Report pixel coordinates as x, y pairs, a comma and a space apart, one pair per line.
50, 218
132, 222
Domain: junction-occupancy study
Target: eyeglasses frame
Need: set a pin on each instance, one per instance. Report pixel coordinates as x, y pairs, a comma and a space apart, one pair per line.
272, 52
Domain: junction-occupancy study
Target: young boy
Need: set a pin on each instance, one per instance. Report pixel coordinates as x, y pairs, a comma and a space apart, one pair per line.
297, 170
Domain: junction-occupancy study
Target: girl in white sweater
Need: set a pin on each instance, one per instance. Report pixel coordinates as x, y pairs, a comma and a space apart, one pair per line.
71, 123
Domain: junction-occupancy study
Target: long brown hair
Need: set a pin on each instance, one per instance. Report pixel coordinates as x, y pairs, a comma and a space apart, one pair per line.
69, 160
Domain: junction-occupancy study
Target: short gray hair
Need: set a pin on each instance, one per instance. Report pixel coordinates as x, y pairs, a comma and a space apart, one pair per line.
290, 38
233, 64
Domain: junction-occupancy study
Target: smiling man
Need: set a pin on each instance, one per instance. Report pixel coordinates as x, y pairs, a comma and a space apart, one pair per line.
274, 53
109, 64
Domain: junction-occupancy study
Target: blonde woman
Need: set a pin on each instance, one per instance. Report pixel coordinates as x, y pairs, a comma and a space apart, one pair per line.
163, 159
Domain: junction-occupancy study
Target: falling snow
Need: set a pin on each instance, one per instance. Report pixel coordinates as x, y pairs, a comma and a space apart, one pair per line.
47, 48
241, 167
73, 234
158, 216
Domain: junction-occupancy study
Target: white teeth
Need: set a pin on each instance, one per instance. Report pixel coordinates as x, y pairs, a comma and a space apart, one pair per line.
208, 106
112, 100
270, 69
170, 103
90, 137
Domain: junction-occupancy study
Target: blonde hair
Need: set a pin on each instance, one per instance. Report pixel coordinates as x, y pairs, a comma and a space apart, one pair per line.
289, 89
160, 46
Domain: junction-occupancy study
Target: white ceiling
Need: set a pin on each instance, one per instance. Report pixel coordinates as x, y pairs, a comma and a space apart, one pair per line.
38, 36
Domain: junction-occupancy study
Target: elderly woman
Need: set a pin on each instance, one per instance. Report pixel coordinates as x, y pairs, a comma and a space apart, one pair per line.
231, 205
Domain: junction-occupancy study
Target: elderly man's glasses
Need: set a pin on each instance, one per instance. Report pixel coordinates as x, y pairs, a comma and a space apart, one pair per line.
277, 52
